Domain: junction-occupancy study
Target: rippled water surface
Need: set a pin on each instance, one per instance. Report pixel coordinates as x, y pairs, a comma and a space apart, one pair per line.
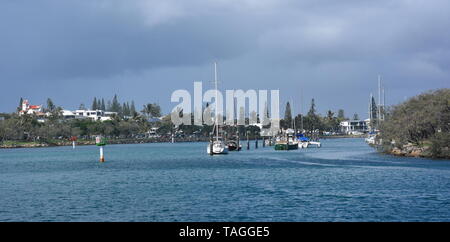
345, 180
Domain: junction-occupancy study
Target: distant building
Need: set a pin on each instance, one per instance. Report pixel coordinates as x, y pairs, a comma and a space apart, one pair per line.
354, 126
31, 109
96, 115
152, 132
67, 114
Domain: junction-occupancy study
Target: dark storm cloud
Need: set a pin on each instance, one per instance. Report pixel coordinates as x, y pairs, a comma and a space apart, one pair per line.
326, 45
362, 31
66, 39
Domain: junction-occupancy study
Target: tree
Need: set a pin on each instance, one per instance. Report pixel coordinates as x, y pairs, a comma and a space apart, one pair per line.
82, 107
330, 115
312, 109
299, 122
312, 121
146, 109
94, 104
156, 111
152, 110
125, 109
374, 112
355, 116
133, 109
341, 115
410, 122
50, 106
103, 106
115, 105
330, 122
20, 105
287, 116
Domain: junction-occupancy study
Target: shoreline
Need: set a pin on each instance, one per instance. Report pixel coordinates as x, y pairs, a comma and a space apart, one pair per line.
35, 144
412, 151
409, 150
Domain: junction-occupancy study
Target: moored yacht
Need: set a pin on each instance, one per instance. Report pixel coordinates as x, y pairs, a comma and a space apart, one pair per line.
286, 141
233, 145
216, 145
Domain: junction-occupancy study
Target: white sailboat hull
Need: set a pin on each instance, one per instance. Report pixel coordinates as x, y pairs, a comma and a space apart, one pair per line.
315, 143
370, 140
217, 148
304, 145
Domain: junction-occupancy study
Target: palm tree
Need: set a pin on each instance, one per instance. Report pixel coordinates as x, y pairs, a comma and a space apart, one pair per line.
151, 110
147, 110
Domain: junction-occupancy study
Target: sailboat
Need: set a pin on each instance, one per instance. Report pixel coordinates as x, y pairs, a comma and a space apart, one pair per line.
216, 146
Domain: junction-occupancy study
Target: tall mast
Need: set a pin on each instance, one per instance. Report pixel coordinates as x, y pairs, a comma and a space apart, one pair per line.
217, 104
384, 103
370, 107
301, 109
371, 112
293, 119
379, 98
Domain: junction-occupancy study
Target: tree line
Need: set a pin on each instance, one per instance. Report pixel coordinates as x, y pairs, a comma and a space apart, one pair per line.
313, 121
130, 123
126, 109
422, 120
126, 124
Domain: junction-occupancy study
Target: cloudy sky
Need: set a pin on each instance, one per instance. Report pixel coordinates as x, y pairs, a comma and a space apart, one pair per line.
143, 50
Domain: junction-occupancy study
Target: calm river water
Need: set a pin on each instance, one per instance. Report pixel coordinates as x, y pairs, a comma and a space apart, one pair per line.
345, 180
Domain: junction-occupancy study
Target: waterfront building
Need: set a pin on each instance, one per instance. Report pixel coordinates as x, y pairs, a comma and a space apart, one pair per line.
355, 126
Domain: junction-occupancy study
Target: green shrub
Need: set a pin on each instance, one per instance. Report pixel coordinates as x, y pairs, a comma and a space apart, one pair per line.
440, 145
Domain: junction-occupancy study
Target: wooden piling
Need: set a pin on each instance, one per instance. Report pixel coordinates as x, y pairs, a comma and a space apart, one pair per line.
248, 142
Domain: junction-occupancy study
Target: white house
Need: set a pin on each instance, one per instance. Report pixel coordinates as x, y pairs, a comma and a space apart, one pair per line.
96, 115
354, 126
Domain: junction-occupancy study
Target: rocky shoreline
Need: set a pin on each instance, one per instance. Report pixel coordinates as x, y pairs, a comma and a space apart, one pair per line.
411, 150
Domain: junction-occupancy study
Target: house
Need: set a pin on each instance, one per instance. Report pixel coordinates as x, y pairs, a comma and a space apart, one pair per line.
31, 109
354, 126
96, 115
67, 114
